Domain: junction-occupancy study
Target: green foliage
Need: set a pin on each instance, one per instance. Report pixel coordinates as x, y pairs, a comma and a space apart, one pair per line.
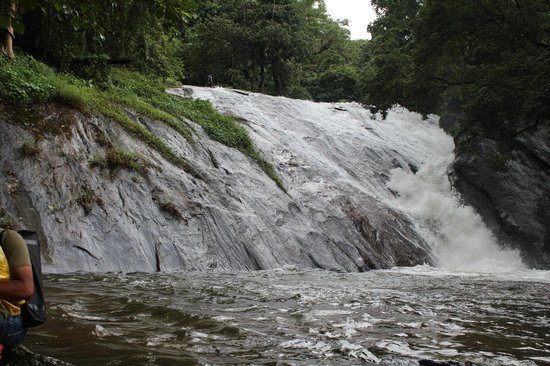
332, 71
335, 84
277, 47
491, 61
9, 16
6, 220
102, 105
72, 92
88, 198
92, 68
24, 81
71, 34
227, 131
261, 45
35, 82
160, 53
147, 96
30, 147
267, 168
297, 91
219, 127
389, 76
116, 158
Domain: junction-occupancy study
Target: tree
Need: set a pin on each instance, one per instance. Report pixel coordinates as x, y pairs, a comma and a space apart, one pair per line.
491, 58
389, 74
242, 41
65, 28
8, 19
261, 45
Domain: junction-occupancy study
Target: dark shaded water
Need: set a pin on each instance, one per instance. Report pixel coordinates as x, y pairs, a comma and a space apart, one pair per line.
292, 317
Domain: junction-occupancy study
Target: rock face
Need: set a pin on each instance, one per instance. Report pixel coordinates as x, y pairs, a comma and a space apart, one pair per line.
163, 219
514, 200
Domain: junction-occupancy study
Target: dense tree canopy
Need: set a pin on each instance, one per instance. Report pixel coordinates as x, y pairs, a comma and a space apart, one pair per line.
488, 62
277, 46
60, 31
285, 47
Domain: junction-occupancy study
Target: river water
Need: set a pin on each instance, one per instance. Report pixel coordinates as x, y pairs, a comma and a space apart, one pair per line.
297, 317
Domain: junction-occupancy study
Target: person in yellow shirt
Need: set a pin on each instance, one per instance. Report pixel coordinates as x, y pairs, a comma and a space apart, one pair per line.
16, 285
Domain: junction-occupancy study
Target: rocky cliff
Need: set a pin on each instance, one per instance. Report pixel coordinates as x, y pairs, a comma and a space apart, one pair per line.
512, 195
159, 218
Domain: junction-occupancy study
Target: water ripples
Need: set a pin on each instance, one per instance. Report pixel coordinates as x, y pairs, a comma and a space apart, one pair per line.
295, 318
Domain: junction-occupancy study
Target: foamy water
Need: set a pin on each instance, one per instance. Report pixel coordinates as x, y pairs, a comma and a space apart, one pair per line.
457, 234
296, 317
370, 146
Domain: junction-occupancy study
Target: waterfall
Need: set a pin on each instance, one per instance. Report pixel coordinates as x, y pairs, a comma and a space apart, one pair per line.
457, 234
401, 161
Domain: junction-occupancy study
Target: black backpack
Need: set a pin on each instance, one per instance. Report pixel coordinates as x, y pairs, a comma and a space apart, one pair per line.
33, 311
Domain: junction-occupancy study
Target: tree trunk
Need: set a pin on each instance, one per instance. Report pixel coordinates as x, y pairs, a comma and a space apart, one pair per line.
253, 77
277, 76
262, 78
7, 47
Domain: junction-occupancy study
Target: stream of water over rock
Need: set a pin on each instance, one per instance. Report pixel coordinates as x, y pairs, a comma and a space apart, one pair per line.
478, 303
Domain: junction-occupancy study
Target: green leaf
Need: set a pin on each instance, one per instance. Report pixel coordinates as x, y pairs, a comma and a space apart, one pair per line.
18, 26
76, 23
4, 20
27, 4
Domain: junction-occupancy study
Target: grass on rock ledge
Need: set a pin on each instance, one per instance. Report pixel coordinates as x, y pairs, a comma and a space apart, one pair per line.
27, 81
116, 157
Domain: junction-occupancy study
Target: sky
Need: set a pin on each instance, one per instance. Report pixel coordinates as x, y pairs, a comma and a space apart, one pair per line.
358, 12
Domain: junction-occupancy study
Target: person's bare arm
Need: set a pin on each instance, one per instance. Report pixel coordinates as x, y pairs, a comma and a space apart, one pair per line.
19, 287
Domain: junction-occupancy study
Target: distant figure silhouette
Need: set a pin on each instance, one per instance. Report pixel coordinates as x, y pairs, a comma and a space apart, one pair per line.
211, 81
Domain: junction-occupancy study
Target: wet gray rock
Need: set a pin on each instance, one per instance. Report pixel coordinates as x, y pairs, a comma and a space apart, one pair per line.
163, 219
512, 197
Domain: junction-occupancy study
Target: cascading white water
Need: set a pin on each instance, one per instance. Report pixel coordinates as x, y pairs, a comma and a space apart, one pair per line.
333, 140
456, 232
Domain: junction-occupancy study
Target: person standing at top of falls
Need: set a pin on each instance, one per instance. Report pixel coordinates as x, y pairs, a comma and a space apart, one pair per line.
16, 286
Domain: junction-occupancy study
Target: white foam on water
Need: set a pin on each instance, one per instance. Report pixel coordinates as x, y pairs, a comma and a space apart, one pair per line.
100, 331
499, 274
159, 339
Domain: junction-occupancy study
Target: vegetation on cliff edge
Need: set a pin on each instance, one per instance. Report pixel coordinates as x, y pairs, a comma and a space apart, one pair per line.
26, 81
